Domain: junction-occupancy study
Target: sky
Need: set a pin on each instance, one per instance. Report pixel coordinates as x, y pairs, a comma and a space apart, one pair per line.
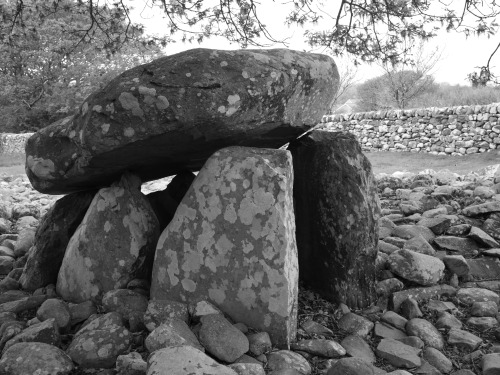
459, 55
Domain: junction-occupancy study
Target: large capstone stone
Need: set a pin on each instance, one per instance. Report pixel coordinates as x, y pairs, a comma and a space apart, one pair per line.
232, 240
114, 244
173, 113
336, 208
52, 238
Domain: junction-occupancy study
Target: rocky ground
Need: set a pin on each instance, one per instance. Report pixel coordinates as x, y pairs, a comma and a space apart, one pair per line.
437, 312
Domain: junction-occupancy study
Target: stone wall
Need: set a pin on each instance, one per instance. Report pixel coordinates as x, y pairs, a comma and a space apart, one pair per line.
446, 131
13, 143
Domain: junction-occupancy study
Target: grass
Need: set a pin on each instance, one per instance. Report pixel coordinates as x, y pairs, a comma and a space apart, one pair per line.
382, 162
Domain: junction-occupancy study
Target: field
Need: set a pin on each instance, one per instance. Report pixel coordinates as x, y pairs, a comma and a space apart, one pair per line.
382, 162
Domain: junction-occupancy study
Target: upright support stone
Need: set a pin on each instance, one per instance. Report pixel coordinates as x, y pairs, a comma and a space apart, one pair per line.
337, 210
113, 245
232, 240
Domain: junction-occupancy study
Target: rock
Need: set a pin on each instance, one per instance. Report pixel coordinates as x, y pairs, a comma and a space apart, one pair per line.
438, 360
395, 320
247, 368
426, 331
22, 304
54, 308
259, 343
482, 324
233, 240
463, 339
414, 341
125, 302
321, 347
419, 268
174, 332
410, 309
492, 227
398, 354
285, 359
410, 231
447, 321
357, 347
482, 208
81, 311
458, 244
488, 308
35, 357
388, 248
482, 238
182, 360
51, 240
158, 124
312, 327
387, 331
388, 286
353, 366
491, 364
438, 225
457, 264
221, 339
336, 211
470, 295
355, 324
459, 230
46, 332
121, 221
200, 309
100, 342
24, 242
160, 311
420, 245
438, 306
131, 364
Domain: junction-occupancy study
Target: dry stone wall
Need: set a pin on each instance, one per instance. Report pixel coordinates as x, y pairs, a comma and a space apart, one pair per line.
13, 143
444, 131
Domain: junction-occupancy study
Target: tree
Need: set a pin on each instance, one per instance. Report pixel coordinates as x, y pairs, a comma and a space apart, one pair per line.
46, 71
347, 73
368, 29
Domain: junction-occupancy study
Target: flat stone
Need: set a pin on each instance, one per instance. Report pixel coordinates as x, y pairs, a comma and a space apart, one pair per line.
484, 268
23, 304
285, 359
395, 320
438, 360
410, 231
218, 246
420, 245
357, 347
174, 332
121, 220
419, 268
426, 331
492, 227
388, 248
164, 123
438, 225
46, 332
221, 339
459, 230
334, 183
386, 331
355, 324
247, 368
483, 323
447, 321
354, 366
414, 341
438, 306
470, 295
488, 308
463, 339
182, 360
483, 238
312, 327
420, 294
398, 354
480, 209
35, 357
321, 347
458, 244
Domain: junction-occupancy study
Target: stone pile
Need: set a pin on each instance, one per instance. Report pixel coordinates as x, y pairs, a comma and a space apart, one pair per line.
441, 131
436, 311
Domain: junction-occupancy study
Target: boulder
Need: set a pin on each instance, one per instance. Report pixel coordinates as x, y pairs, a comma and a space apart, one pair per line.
336, 211
113, 245
52, 238
232, 240
170, 115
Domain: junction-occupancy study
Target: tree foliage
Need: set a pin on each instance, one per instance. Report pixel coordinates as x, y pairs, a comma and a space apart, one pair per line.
46, 69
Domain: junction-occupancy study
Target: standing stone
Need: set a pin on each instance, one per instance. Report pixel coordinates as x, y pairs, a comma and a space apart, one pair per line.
51, 240
170, 115
232, 240
113, 245
337, 209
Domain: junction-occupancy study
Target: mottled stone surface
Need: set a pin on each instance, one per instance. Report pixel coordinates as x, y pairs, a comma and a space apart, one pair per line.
173, 113
51, 240
336, 208
233, 240
113, 245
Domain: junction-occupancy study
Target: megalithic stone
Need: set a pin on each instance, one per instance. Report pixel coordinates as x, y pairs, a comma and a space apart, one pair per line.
336, 211
232, 241
158, 119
